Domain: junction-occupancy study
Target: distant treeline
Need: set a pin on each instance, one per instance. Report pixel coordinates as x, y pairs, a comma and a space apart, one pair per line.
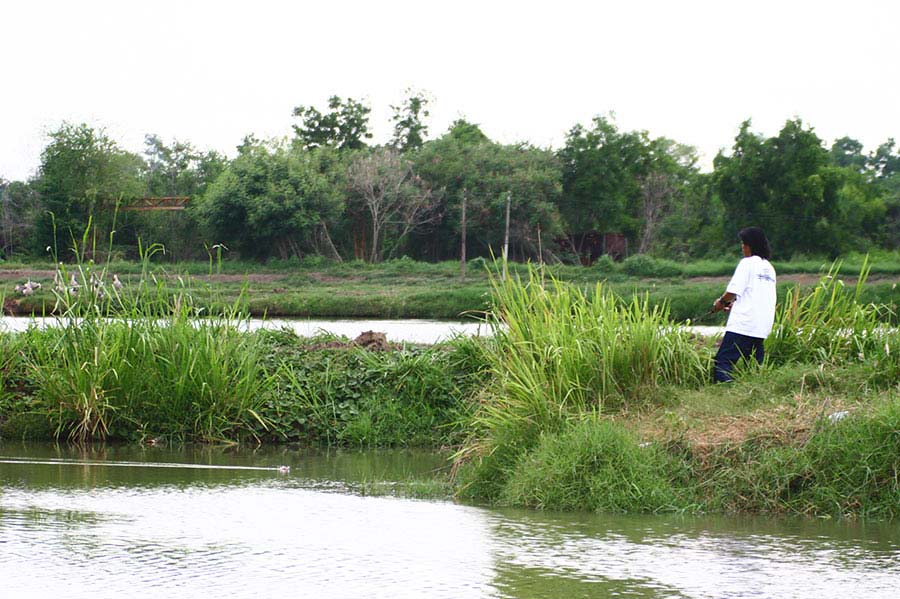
327, 191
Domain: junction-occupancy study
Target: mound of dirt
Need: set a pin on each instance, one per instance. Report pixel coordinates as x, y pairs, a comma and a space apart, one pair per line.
11, 307
372, 341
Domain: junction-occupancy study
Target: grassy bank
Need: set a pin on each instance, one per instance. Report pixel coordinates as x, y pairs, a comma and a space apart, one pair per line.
581, 400
158, 373
815, 431
407, 289
174, 381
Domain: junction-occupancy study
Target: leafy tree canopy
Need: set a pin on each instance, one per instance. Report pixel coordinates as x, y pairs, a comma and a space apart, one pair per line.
465, 161
602, 173
177, 169
82, 170
409, 127
345, 126
270, 200
784, 184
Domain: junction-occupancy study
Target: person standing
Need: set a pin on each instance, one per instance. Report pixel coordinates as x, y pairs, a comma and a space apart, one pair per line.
749, 300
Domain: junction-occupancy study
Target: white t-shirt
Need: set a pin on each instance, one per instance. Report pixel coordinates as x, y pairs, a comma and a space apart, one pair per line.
753, 311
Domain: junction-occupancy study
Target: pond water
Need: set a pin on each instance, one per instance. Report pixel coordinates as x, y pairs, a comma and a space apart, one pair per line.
409, 330
157, 522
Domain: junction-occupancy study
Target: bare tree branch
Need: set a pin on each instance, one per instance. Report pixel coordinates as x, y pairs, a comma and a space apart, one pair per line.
657, 190
397, 200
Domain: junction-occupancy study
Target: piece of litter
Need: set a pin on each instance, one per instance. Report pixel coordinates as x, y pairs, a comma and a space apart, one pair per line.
838, 416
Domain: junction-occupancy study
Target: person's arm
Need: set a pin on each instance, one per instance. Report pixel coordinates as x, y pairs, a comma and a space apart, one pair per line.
724, 302
735, 286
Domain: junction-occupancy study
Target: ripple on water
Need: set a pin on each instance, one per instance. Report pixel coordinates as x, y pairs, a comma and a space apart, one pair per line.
272, 535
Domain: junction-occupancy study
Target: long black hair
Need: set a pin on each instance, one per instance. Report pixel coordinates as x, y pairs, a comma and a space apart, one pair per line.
756, 240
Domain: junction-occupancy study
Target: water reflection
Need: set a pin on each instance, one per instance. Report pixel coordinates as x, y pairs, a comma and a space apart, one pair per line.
652, 556
81, 530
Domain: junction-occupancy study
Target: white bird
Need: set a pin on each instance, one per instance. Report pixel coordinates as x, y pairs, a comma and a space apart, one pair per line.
117, 283
73, 285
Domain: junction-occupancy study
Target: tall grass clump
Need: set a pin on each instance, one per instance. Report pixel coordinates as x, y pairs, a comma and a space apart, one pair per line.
558, 349
140, 378
10, 368
829, 323
559, 353
154, 369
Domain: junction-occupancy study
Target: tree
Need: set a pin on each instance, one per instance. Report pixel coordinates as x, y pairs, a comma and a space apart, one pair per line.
602, 169
345, 127
271, 200
846, 152
883, 161
396, 199
175, 169
785, 185
409, 128
18, 206
693, 225
622, 182
657, 191
169, 170
885, 166
467, 133
82, 173
465, 162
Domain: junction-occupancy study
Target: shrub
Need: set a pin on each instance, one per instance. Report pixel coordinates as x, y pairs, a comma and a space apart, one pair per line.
828, 323
558, 354
641, 265
592, 465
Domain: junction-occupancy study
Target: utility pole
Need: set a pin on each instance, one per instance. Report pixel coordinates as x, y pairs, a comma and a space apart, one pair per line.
462, 226
506, 234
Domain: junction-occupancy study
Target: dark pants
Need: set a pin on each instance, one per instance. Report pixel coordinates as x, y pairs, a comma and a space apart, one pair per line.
732, 349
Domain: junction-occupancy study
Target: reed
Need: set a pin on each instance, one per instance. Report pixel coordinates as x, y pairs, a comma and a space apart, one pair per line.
145, 377
560, 353
559, 349
829, 323
152, 370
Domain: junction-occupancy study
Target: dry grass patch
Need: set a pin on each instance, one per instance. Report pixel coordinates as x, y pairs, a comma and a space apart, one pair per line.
704, 429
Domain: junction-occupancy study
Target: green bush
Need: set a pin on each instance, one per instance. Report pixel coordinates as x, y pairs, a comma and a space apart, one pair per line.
592, 465
558, 354
328, 391
641, 265
828, 323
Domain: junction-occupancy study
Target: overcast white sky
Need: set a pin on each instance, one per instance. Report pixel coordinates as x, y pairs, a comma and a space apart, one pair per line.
212, 72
